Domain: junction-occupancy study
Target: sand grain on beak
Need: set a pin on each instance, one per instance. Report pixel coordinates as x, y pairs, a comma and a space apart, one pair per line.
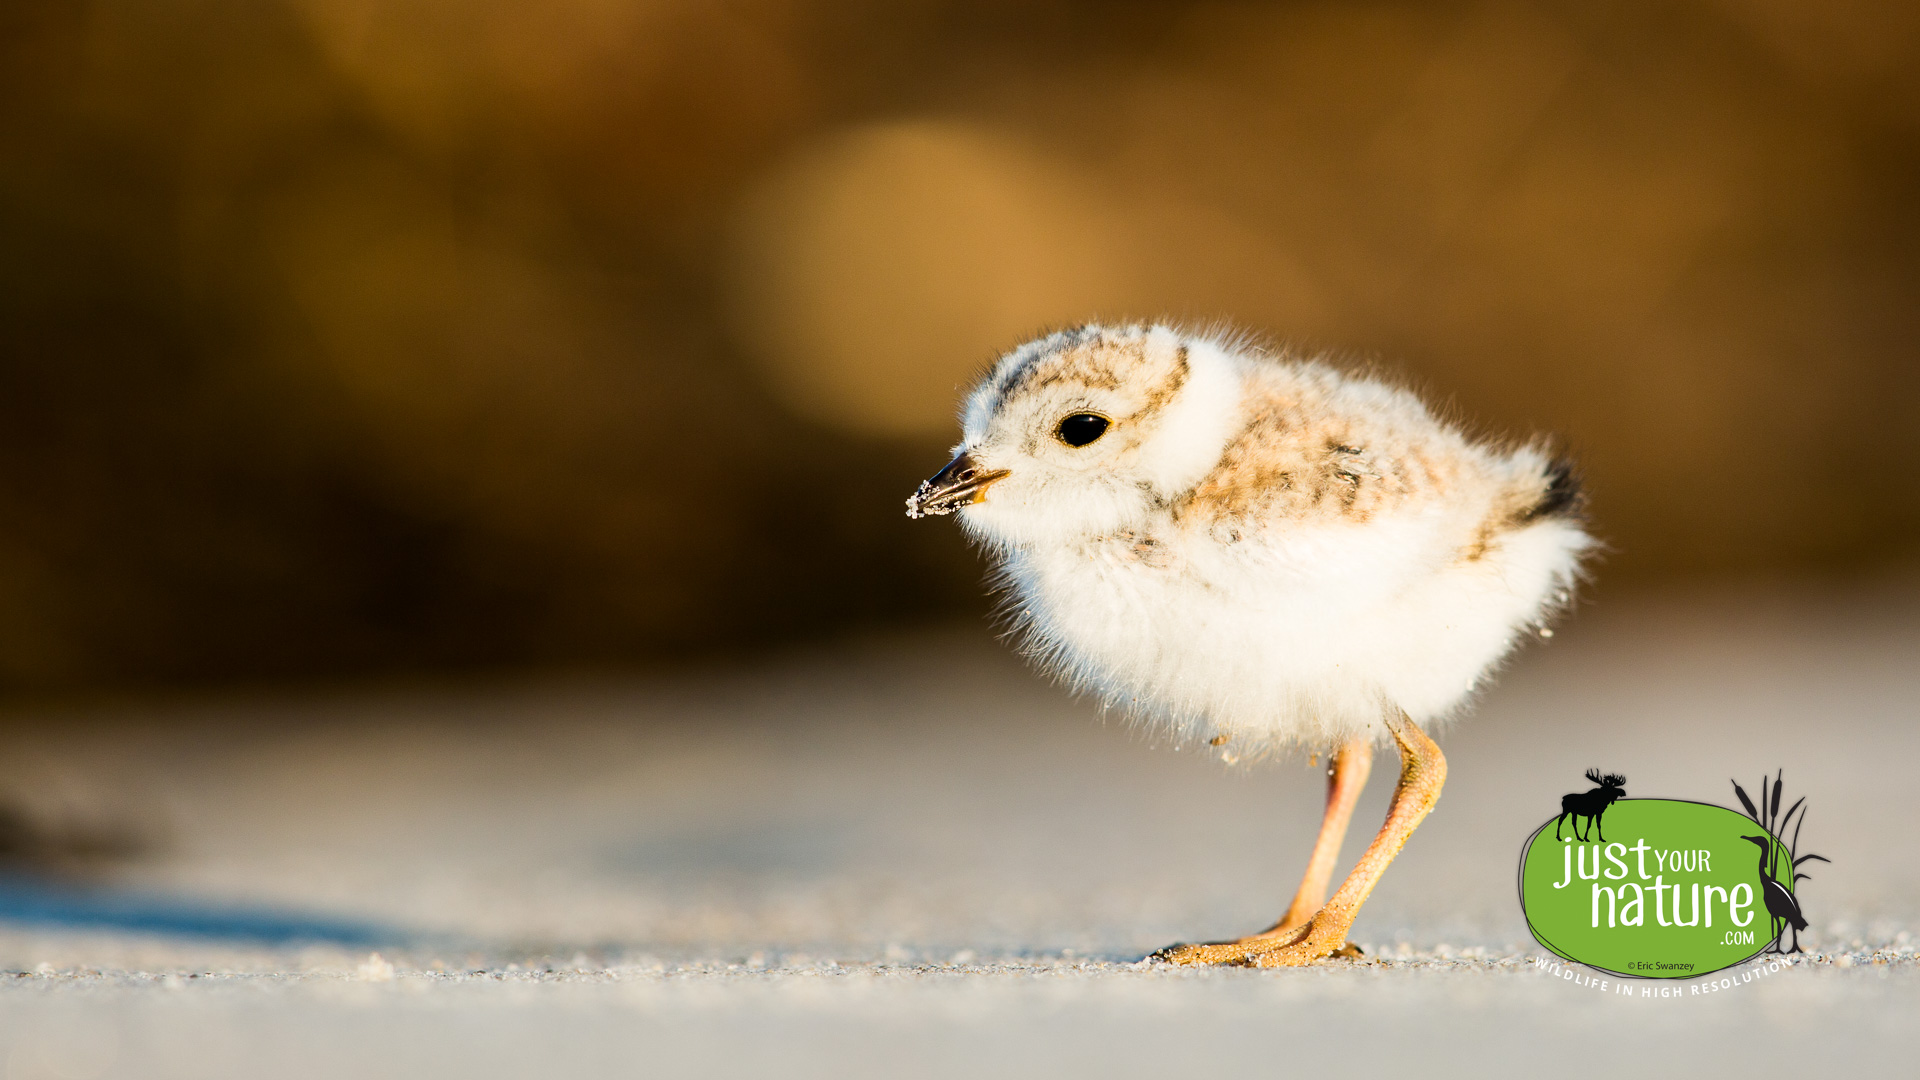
963, 481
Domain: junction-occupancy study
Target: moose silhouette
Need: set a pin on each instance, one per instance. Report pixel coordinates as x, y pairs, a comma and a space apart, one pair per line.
1591, 805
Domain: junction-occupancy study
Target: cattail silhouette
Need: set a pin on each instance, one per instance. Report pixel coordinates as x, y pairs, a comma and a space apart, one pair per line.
1782, 901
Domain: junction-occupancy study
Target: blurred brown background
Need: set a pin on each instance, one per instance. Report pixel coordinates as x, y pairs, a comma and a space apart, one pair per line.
348, 337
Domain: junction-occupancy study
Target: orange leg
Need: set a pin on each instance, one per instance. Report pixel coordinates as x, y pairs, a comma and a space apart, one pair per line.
1423, 770
1345, 779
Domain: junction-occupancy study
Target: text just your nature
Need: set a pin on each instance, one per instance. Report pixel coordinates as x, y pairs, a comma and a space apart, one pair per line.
1626, 903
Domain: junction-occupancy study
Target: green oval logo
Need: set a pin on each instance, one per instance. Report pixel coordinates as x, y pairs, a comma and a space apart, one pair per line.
1655, 888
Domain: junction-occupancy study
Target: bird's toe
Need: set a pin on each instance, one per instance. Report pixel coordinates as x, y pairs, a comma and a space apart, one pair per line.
1208, 954
1317, 940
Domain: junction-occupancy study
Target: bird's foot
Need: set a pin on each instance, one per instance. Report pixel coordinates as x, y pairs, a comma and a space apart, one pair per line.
1321, 937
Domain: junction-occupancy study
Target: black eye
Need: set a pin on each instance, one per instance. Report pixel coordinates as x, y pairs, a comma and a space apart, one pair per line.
1082, 428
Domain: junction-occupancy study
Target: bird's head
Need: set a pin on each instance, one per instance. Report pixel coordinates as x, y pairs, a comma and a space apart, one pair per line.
1084, 432
1764, 842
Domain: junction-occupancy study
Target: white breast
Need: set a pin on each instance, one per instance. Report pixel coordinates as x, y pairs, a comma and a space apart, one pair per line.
1302, 639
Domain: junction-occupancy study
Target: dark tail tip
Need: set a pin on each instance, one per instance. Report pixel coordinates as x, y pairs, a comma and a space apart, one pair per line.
1563, 497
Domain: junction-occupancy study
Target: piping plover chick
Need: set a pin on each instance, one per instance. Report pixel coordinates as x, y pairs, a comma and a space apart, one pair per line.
1264, 553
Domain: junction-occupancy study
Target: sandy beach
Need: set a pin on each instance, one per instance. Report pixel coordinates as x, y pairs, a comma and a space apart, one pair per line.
914, 857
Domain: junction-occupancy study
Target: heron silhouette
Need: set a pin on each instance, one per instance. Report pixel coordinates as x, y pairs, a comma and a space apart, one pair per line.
1780, 903
1780, 900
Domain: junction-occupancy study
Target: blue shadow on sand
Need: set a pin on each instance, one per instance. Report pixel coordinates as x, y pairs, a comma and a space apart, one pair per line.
38, 902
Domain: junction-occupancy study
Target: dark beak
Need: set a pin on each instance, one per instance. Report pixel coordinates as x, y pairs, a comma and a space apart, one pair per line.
953, 487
